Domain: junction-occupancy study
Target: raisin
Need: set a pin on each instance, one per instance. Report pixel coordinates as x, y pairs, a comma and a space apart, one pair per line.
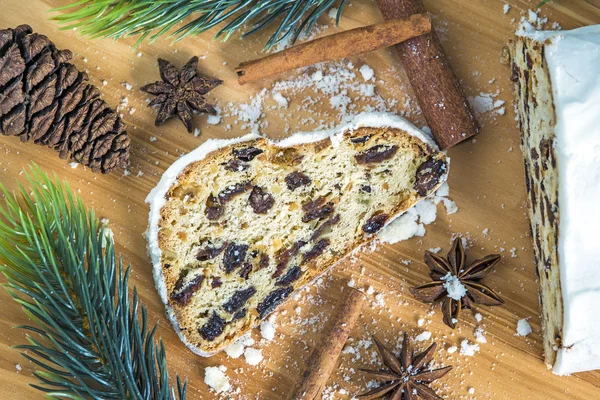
316, 251
214, 210
236, 165
534, 154
361, 139
238, 299
260, 200
235, 254
182, 293
216, 282
246, 269
290, 277
376, 154
247, 154
428, 175
240, 314
297, 179
213, 328
209, 253
514, 77
325, 225
233, 190
375, 223
264, 261
365, 188
275, 298
283, 257
316, 210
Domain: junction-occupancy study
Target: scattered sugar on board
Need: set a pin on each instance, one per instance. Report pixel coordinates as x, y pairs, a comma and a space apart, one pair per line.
523, 327
426, 335
338, 84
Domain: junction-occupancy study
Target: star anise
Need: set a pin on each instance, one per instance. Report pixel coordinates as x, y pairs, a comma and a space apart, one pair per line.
407, 377
457, 286
180, 92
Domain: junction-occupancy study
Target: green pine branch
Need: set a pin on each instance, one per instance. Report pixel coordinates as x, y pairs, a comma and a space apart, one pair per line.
154, 18
87, 338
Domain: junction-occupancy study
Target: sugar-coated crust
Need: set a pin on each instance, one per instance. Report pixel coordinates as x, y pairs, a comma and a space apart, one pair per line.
166, 280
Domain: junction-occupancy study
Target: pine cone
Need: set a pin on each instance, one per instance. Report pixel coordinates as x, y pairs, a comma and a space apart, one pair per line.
45, 98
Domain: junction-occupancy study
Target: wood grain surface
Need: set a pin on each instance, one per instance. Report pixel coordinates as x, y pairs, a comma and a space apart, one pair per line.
486, 181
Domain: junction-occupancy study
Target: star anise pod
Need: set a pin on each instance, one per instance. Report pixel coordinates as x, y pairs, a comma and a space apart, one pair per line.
180, 92
407, 377
457, 286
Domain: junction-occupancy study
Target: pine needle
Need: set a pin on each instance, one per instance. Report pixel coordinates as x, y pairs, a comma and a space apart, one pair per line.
88, 337
154, 18
543, 3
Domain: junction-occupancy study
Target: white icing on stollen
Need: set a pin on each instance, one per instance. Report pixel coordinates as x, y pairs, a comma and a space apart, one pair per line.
573, 59
157, 197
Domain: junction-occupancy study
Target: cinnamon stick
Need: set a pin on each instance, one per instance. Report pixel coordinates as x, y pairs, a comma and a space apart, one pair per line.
322, 361
333, 47
436, 87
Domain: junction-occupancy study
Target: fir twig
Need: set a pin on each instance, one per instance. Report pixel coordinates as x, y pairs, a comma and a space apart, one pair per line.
87, 337
543, 3
154, 18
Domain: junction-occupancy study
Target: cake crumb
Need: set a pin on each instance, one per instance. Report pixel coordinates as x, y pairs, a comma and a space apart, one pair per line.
253, 356
480, 335
213, 119
235, 350
468, 349
215, 378
267, 328
367, 72
281, 101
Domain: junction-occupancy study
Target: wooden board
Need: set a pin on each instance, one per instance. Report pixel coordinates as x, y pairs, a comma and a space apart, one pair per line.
486, 182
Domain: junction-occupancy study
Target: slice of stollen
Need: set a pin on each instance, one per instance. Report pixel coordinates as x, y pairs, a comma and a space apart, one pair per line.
236, 226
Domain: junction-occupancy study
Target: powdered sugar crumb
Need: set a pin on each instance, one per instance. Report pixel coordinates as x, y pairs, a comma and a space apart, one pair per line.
215, 378
253, 356
523, 327
426, 335
468, 349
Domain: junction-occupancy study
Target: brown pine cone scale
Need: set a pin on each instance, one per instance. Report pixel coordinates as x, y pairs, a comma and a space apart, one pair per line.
45, 98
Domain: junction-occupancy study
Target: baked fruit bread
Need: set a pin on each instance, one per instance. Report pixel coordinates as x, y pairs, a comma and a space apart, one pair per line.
237, 226
557, 92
